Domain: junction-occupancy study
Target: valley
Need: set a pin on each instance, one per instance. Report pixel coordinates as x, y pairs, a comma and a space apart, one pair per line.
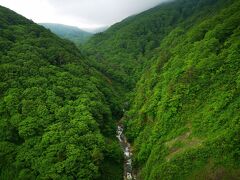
155, 96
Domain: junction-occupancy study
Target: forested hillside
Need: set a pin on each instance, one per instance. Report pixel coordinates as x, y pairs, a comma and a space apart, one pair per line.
126, 49
184, 116
56, 112
71, 33
173, 70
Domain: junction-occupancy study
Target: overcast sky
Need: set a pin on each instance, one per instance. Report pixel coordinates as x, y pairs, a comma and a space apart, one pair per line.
81, 13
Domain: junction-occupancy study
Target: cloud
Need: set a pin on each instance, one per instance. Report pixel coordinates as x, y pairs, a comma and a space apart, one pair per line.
82, 13
102, 11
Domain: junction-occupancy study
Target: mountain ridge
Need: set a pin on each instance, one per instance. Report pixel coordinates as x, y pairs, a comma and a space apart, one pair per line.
182, 115
72, 33
170, 75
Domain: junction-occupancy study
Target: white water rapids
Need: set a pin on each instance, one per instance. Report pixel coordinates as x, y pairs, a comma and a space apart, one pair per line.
128, 172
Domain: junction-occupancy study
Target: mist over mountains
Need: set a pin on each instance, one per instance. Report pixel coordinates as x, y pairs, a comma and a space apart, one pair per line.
78, 36
154, 96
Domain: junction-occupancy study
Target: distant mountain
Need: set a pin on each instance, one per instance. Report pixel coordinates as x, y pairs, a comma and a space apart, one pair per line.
96, 30
74, 34
169, 78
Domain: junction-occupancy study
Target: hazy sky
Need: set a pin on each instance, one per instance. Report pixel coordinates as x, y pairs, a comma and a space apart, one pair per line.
81, 13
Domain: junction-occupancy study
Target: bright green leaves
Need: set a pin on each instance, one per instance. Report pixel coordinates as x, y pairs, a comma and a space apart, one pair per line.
52, 105
76, 150
28, 127
186, 105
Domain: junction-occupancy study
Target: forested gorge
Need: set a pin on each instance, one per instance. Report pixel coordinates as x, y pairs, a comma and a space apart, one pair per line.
181, 62
171, 74
125, 50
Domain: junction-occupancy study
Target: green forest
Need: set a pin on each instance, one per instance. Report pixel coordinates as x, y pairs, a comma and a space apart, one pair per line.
170, 75
57, 112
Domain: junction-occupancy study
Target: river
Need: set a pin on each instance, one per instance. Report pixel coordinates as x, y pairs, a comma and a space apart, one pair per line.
126, 146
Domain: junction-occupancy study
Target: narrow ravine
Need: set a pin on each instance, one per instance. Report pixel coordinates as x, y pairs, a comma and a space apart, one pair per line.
126, 146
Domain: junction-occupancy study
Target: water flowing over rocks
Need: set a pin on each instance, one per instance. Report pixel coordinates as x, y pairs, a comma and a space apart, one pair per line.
126, 146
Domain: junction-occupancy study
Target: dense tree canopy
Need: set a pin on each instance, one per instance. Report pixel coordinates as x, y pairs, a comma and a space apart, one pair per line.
184, 114
56, 111
126, 49
174, 70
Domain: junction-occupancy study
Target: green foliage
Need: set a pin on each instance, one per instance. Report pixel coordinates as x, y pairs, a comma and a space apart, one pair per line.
56, 111
181, 60
184, 119
124, 51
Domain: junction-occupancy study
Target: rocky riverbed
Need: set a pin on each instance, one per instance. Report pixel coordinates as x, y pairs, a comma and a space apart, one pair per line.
126, 146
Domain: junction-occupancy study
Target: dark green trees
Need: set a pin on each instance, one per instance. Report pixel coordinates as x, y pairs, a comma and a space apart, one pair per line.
55, 110
184, 120
181, 60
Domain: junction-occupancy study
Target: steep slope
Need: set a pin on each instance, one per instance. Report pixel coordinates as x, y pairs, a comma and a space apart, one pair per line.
125, 49
180, 60
184, 113
56, 112
71, 33
185, 119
